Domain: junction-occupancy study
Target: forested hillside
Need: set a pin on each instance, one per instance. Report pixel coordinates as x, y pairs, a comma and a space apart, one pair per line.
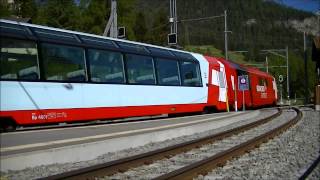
255, 25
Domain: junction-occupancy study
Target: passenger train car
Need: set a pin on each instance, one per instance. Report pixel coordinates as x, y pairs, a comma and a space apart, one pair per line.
51, 75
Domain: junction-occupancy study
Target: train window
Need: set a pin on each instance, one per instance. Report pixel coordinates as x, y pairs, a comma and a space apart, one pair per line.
167, 72
190, 74
262, 82
186, 56
134, 48
221, 79
46, 34
63, 63
19, 60
140, 69
93, 41
161, 52
106, 66
266, 82
15, 30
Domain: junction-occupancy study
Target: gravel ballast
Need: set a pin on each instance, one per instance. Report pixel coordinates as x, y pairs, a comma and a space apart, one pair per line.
285, 157
164, 166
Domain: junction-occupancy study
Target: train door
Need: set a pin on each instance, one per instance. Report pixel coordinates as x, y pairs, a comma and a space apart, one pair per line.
218, 90
232, 97
213, 90
275, 90
222, 83
249, 94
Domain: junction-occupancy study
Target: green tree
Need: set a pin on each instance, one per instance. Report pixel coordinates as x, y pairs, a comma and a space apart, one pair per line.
159, 29
4, 9
59, 13
126, 17
93, 16
26, 8
140, 29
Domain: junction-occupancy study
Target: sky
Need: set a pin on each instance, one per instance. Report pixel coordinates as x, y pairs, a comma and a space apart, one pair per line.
306, 5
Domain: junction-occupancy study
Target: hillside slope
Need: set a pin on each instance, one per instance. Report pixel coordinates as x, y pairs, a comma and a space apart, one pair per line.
255, 24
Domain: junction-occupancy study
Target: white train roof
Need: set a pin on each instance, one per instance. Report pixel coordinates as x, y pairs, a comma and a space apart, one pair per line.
92, 35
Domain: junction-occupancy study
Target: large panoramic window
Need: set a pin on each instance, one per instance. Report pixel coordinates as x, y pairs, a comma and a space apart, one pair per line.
140, 69
106, 66
63, 63
190, 73
168, 72
19, 60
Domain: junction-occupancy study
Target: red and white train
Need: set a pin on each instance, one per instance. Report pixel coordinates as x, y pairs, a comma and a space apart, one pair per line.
51, 75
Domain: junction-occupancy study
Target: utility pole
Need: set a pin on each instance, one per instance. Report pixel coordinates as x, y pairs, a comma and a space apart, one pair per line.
225, 35
173, 20
267, 65
112, 25
288, 89
275, 52
305, 68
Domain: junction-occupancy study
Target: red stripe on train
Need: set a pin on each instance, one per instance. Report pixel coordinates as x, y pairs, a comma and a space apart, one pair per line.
29, 117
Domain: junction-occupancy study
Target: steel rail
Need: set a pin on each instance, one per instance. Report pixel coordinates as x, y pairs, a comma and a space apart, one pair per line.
122, 165
206, 165
310, 169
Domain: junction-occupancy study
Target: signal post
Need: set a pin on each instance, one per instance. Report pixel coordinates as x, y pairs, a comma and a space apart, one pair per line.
243, 86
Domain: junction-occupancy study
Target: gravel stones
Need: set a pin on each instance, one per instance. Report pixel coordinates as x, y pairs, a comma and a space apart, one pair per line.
184, 159
285, 157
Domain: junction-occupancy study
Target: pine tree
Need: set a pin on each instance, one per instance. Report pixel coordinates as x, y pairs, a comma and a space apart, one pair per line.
4, 10
140, 29
159, 29
94, 16
60, 14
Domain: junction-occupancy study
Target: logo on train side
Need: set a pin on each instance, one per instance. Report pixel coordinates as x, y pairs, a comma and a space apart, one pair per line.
34, 116
261, 88
48, 115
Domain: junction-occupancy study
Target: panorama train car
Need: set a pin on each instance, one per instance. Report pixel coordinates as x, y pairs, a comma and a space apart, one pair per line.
51, 75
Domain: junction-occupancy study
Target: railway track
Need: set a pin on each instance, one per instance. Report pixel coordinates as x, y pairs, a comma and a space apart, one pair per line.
122, 165
310, 169
204, 166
